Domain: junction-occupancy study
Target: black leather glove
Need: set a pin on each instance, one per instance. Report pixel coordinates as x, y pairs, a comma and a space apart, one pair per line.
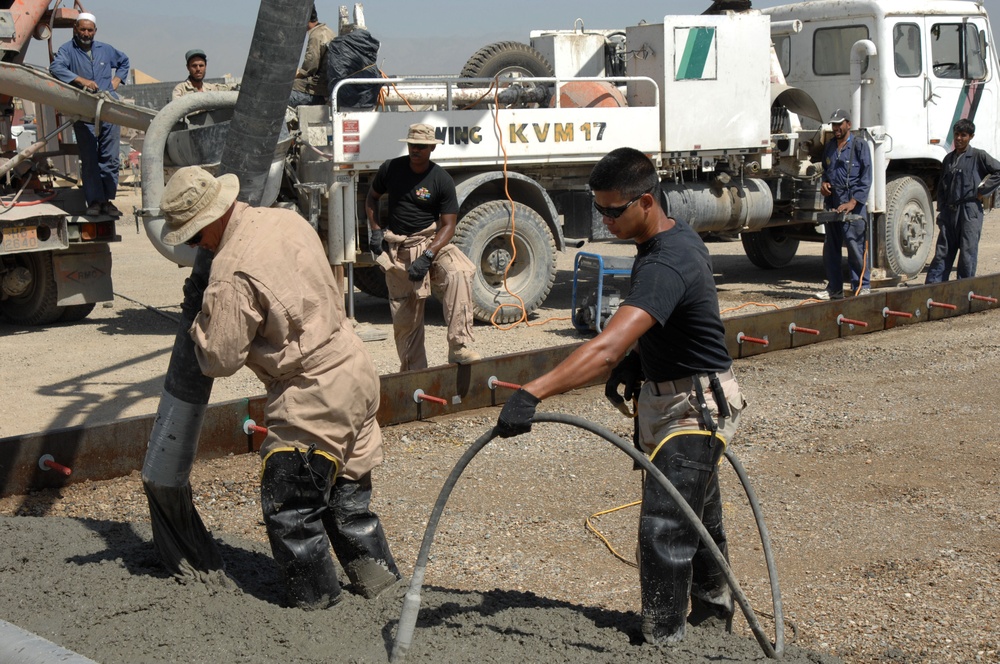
515, 418
194, 292
627, 373
376, 238
418, 268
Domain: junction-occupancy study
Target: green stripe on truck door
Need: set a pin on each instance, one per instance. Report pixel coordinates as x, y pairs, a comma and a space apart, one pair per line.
699, 42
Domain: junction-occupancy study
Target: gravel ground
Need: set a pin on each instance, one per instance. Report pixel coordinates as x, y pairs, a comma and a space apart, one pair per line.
871, 457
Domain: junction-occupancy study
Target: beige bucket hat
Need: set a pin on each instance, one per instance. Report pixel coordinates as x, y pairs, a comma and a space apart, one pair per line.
193, 199
421, 134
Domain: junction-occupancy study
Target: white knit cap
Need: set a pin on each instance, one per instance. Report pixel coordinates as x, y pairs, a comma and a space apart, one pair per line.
87, 16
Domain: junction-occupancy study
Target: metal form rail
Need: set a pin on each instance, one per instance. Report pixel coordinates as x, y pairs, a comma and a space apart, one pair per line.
105, 451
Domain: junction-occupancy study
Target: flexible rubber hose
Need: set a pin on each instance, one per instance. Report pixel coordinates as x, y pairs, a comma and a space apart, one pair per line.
411, 601
765, 543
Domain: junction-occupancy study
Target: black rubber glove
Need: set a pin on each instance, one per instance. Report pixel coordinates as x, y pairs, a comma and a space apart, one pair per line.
194, 292
376, 238
515, 418
628, 373
418, 268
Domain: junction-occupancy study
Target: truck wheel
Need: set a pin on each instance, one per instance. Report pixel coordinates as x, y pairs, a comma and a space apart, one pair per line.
37, 304
483, 236
75, 312
909, 226
507, 58
769, 248
371, 281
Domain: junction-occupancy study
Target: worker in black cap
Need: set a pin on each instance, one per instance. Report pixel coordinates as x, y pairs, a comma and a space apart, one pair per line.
846, 182
197, 64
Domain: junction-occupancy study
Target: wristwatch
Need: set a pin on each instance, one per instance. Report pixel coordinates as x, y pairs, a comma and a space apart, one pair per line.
429, 254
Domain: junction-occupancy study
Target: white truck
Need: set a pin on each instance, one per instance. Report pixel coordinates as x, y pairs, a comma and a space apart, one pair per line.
730, 107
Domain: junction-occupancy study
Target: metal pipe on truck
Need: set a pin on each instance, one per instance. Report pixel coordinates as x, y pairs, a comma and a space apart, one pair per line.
702, 205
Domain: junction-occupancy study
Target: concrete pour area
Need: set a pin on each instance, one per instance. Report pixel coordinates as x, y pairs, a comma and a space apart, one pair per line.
97, 587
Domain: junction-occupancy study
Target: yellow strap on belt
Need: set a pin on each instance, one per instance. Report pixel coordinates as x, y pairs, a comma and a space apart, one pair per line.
688, 432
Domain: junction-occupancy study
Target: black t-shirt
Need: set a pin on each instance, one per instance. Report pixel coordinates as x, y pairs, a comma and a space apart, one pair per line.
416, 200
672, 281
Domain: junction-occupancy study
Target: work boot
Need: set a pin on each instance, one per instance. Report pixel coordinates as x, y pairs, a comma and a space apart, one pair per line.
294, 493
462, 354
668, 543
358, 539
716, 612
109, 208
662, 631
93, 210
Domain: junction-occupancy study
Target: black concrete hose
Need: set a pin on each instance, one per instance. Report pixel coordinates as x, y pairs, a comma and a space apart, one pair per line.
411, 601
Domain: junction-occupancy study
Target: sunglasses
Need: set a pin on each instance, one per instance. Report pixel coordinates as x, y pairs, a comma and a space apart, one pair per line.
419, 146
195, 240
619, 210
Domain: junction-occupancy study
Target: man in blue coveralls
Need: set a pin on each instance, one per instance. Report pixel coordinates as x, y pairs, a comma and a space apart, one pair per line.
89, 64
847, 178
967, 174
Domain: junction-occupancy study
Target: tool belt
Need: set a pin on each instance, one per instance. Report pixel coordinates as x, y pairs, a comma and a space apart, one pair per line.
684, 384
681, 385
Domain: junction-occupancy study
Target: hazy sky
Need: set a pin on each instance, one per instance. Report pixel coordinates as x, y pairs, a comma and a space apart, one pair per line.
425, 37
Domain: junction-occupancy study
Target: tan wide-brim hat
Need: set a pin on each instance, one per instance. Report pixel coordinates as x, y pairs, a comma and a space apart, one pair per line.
421, 134
193, 199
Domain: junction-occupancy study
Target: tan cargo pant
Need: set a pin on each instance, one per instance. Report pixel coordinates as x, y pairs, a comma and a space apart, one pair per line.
451, 272
664, 409
332, 404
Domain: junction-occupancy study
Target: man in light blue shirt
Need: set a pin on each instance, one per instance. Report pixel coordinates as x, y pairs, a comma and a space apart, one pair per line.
96, 67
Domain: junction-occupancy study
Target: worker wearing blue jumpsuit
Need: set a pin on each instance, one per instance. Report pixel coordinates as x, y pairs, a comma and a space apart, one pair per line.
96, 67
847, 179
966, 175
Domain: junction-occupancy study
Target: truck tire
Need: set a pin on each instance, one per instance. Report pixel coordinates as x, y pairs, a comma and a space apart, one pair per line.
507, 57
371, 281
909, 226
37, 305
769, 248
483, 235
76, 312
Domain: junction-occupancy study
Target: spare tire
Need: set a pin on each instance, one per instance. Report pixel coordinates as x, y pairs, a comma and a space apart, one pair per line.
507, 58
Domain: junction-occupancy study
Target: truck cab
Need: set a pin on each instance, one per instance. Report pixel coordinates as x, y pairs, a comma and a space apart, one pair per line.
933, 64
933, 67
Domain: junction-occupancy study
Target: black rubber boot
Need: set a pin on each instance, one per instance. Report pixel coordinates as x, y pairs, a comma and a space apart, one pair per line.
667, 542
357, 537
294, 492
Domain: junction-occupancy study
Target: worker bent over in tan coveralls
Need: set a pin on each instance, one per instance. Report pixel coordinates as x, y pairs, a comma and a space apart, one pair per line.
415, 250
290, 328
